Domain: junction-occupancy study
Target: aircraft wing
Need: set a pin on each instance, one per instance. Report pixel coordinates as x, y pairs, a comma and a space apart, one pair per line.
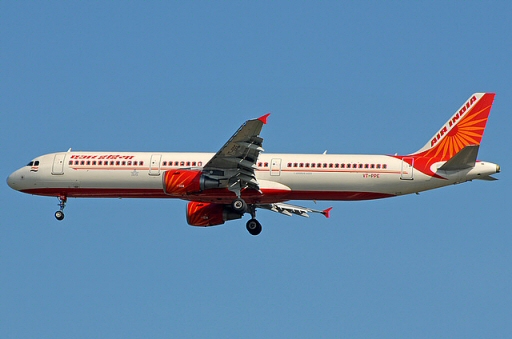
236, 160
288, 210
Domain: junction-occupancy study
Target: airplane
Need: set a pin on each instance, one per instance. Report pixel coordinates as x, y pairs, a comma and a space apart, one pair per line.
240, 178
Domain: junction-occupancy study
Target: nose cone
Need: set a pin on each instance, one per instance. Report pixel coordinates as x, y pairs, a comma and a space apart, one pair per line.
14, 179
10, 181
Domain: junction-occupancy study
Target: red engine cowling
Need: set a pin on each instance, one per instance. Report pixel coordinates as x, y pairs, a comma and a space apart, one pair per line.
183, 181
209, 214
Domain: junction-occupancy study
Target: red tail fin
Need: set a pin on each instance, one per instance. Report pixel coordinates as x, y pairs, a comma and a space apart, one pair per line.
465, 127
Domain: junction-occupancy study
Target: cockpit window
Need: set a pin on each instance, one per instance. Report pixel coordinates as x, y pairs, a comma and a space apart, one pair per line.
33, 163
30, 163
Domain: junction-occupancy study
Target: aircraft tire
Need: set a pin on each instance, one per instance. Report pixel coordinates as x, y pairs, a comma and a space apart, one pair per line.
254, 227
239, 205
59, 215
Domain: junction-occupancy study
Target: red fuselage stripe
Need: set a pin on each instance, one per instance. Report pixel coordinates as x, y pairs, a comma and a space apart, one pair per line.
219, 197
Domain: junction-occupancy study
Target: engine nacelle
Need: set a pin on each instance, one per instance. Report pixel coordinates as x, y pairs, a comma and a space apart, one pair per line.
209, 214
182, 182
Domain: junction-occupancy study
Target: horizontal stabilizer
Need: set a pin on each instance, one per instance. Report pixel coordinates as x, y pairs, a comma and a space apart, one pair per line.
487, 178
465, 159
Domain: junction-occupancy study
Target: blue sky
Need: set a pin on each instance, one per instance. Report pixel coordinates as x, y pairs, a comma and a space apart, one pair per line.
349, 77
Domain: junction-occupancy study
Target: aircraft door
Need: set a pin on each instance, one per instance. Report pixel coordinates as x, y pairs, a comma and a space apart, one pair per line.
407, 171
58, 164
275, 167
154, 164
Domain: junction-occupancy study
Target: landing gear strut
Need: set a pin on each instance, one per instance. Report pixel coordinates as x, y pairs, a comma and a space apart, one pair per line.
59, 215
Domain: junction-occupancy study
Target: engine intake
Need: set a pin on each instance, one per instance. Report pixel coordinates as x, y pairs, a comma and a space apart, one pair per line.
209, 214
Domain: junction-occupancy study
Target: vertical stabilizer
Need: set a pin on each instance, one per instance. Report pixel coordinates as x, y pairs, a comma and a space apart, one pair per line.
465, 128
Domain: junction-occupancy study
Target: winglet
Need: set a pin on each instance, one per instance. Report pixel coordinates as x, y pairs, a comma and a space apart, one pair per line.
327, 212
264, 118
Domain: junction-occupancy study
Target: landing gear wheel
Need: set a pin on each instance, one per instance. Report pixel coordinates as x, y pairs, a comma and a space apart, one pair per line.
59, 215
239, 206
254, 227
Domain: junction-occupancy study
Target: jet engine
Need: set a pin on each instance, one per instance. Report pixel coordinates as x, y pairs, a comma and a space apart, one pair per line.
182, 182
209, 214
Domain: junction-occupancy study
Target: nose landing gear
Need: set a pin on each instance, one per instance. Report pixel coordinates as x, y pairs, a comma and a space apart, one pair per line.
59, 215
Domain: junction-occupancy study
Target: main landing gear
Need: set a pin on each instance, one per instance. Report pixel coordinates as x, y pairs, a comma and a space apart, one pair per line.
240, 206
59, 215
253, 226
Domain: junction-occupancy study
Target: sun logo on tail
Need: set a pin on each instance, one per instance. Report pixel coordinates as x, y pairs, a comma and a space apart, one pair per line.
465, 128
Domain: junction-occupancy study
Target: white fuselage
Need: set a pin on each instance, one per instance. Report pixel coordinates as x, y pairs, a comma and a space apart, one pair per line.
281, 177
